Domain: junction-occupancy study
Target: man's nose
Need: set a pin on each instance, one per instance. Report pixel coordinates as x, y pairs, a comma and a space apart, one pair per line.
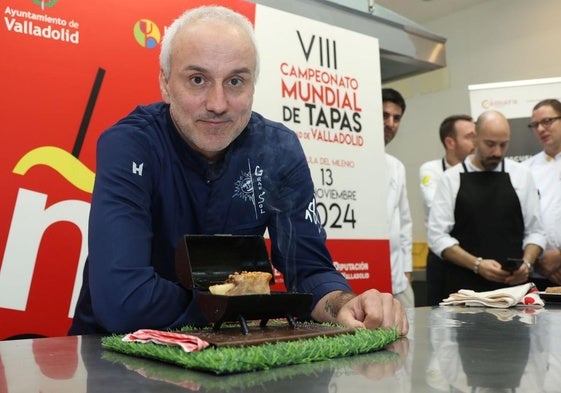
216, 100
497, 151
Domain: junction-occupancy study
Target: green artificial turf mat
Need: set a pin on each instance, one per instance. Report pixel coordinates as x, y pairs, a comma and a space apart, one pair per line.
228, 360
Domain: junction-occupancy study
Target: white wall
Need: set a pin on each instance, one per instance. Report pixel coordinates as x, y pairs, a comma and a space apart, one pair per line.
494, 41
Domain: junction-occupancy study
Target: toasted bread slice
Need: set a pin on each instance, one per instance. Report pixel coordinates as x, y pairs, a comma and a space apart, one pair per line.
244, 283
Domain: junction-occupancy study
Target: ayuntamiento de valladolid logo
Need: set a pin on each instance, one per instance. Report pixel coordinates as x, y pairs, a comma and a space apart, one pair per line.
40, 24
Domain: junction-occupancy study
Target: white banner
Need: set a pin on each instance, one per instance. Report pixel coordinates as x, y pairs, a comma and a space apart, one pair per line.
515, 100
324, 83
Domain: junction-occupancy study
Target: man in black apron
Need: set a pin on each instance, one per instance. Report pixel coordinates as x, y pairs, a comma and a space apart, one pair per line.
484, 212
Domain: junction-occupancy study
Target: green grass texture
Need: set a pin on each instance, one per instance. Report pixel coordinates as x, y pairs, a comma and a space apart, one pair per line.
229, 360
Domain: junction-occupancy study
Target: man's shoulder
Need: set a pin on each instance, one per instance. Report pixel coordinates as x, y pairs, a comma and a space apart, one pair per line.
511, 164
517, 169
453, 171
431, 165
393, 160
437, 161
535, 159
271, 137
260, 123
395, 167
143, 118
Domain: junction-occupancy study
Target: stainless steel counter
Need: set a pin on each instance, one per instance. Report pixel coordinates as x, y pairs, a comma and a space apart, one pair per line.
449, 349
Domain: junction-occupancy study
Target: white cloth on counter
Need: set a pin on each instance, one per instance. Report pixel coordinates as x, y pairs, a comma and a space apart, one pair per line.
525, 294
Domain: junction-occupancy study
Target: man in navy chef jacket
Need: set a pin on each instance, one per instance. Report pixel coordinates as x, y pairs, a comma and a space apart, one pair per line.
201, 162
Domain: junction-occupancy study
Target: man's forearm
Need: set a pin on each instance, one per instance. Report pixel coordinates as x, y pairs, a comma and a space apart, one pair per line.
459, 256
328, 307
532, 252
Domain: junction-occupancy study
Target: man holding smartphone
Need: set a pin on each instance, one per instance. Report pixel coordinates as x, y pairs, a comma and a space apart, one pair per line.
485, 211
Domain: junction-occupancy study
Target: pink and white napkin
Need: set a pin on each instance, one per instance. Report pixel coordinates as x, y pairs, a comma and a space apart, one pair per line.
519, 295
187, 342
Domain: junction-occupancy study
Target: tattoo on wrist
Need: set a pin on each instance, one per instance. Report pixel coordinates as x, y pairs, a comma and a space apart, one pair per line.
330, 309
334, 304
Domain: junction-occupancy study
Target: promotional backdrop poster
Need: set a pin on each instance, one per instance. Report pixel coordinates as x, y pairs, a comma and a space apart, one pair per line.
324, 83
72, 69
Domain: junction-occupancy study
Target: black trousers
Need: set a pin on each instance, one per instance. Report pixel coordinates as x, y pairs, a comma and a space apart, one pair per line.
435, 279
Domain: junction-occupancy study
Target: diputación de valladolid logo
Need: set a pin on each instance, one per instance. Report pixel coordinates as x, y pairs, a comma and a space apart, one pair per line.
41, 24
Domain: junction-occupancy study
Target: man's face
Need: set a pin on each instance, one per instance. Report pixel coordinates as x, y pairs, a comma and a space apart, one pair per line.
548, 136
464, 139
392, 117
492, 142
211, 84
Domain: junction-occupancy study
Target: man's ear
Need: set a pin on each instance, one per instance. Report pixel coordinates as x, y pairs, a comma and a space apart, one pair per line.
164, 87
449, 142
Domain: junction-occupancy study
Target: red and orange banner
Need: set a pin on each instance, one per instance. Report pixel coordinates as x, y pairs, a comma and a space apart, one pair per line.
72, 69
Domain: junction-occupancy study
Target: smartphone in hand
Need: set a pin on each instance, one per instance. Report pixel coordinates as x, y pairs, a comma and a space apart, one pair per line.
511, 264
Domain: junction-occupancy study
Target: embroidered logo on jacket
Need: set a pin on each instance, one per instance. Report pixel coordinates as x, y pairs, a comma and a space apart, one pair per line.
249, 187
312, 214
137, 168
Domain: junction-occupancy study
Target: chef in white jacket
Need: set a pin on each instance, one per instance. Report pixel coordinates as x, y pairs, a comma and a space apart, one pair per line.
399, 215
546, 169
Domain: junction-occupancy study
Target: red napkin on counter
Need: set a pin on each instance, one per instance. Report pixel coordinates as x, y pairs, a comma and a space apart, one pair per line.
185, 341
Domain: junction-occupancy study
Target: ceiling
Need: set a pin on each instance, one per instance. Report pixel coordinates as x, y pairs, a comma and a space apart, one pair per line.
423, 11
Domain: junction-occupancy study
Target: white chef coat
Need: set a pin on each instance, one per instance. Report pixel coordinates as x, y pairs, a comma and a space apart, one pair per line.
547, 176
400, 225
429, 174
441, 218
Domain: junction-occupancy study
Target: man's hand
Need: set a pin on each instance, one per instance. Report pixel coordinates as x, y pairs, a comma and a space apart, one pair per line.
519, 276
550, 262
491, 270
371, 309
555, 277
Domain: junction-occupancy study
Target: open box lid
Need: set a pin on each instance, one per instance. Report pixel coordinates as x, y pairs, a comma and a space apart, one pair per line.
204, 260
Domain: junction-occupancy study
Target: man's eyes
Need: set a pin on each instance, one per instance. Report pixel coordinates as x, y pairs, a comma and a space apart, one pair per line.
236, 82
197, 80
388, 115
501, 145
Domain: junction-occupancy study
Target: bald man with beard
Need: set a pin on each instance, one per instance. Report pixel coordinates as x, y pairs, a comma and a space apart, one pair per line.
486, 210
